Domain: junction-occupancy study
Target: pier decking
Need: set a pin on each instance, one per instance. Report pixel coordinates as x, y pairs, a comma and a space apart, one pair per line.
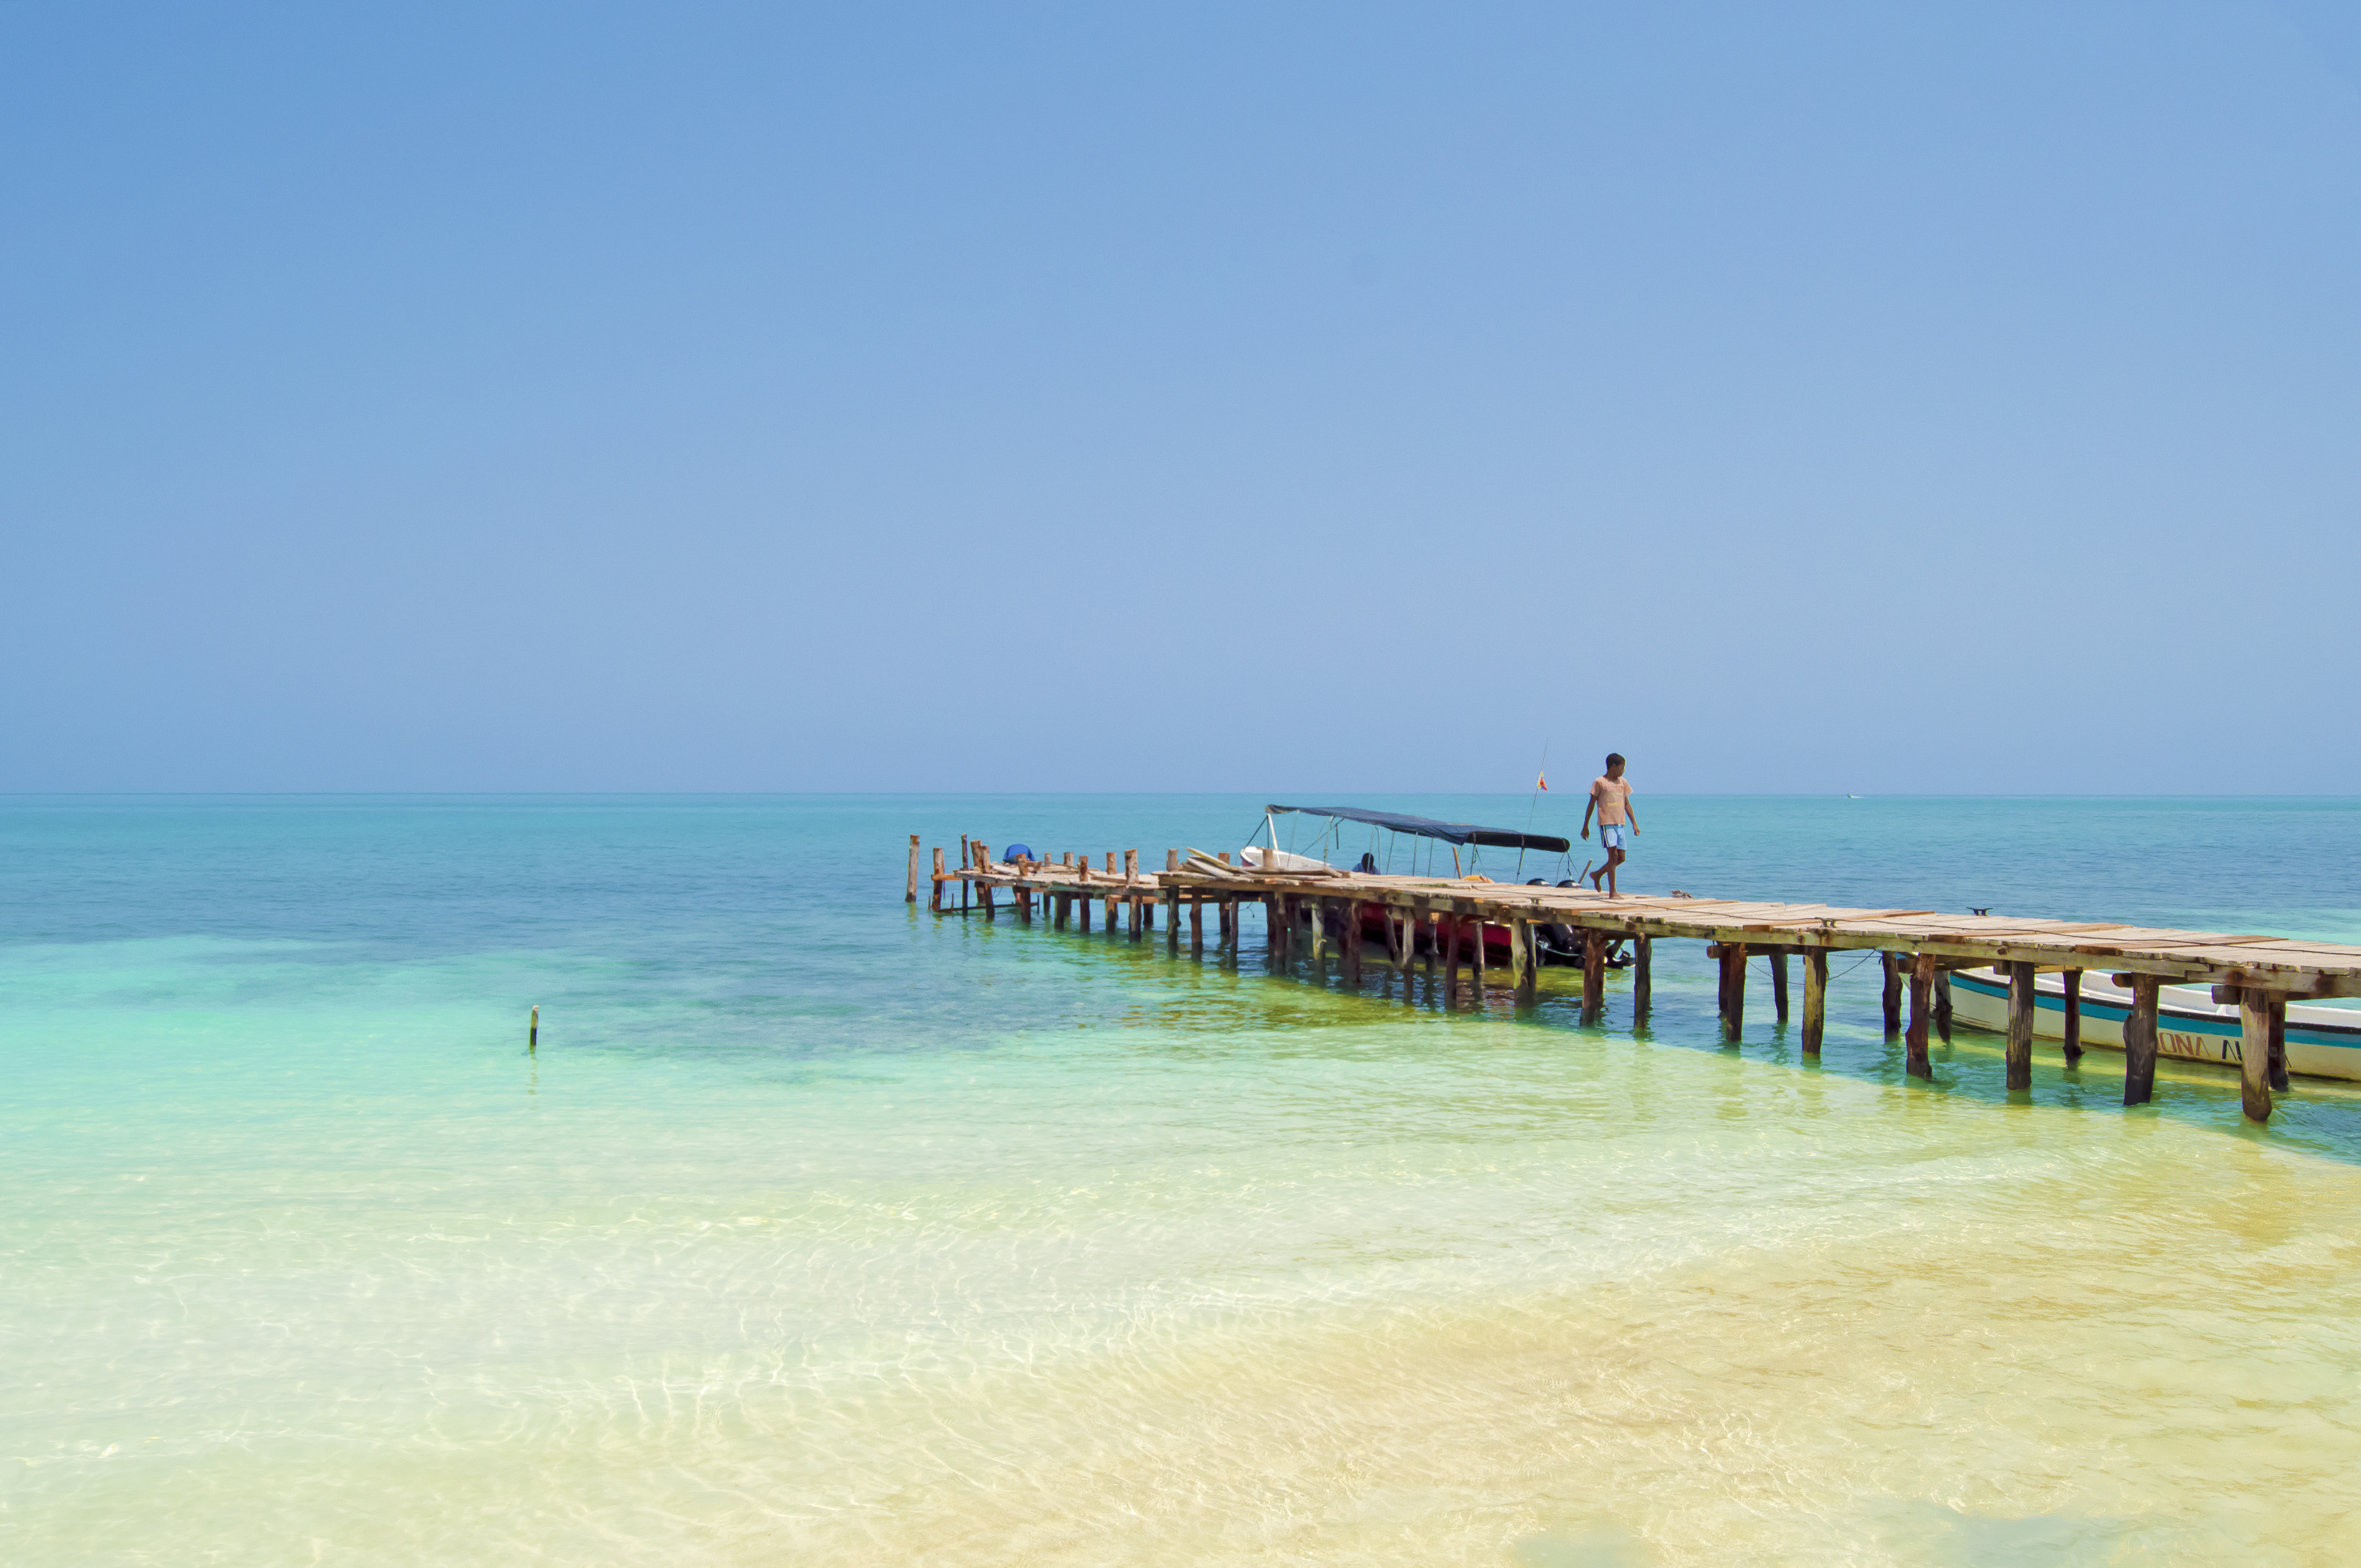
1309, 912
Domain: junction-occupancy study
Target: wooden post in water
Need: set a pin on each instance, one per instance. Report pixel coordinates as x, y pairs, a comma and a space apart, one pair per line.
2254, 1053
1196, 924
1943, 1005
2139, 1039
1024, 898
2279, 1043
1172, 924
967, 882
1351, 936
1427, 920
2073, 979
1778, 956
1734, 1017
1529, 963
1594, 975
935, 895
2020, 1025
912, 897
1891, 998
1451, 961
1816, 998
532, 1027
1644, 949
1476, 964
1112, 897
1922, 1008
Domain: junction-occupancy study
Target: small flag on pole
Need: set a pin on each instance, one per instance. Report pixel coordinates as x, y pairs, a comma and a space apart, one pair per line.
1542, 782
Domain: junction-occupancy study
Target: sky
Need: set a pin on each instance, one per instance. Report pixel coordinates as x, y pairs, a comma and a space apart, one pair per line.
1858, 398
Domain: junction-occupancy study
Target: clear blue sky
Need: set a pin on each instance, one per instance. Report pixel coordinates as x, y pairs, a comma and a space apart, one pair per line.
1874, 397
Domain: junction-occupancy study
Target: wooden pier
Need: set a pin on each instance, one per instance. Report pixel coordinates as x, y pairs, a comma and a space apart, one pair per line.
1308, 914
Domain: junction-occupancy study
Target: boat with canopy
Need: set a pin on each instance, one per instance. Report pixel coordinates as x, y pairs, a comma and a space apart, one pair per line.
1425, 838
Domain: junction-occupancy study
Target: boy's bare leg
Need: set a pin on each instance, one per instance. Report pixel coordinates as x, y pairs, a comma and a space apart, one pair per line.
1614, 859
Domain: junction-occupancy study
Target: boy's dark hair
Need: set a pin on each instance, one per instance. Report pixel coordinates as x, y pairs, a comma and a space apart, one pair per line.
1613, 758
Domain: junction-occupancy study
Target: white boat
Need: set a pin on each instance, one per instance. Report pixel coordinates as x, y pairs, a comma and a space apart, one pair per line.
1281, 860
2322, 1042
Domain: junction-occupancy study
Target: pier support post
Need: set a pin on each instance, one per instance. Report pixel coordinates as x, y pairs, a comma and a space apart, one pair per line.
2279, 1043
1943, 1005
2254, 1053
2020, 1025
1172, 924
1024, 898
1778, 956
1891, 998
1816, 998
1111, 896
912, 897
983, 888
1348, 938
1065, 910
1642, 950
1476, 963
1922, 1008
1733, 990
2139, 1039
1408, 921
1594, 974
1196, 926
1426, 923
1451, 961
1521, 949
935, 897
2073, 979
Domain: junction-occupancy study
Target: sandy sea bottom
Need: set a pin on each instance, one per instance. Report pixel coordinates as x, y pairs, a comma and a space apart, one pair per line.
306, 1261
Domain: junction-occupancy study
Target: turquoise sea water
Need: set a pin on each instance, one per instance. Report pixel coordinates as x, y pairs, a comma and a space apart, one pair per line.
823, 1230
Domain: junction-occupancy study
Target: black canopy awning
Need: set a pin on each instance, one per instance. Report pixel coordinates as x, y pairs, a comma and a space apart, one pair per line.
1427, 828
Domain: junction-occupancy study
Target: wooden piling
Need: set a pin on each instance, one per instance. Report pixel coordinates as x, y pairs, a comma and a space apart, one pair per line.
2020, 1025
1816, 998
1427, 920
533, 1024
2139, 1039
1594, 975
983, 889
1733, 1014
1529, 963
1922, 1008
2279, 1043
1196, 926
1778, 956
1350, 935
2073, 978
1890, 999
912, 897
1476, 964
1943, 1005
2254, 1053
1451, 962
1642, 950
1111, 897
935, 897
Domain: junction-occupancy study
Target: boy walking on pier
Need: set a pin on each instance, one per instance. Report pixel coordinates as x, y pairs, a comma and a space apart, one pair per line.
1610, 796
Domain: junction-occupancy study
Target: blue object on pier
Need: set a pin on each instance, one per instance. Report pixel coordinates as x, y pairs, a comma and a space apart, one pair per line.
1017, 852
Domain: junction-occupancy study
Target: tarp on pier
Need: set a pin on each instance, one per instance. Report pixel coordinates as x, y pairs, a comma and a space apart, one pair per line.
1427, 828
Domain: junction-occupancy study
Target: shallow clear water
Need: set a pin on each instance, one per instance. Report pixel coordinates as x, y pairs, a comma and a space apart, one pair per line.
822, 1230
